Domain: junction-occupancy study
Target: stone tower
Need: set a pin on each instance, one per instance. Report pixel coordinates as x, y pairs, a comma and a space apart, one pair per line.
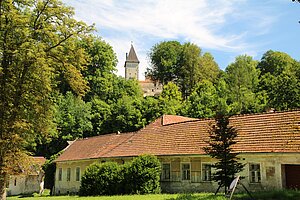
131, 65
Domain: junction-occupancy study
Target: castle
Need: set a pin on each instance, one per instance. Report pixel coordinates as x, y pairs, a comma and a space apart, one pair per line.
132, 62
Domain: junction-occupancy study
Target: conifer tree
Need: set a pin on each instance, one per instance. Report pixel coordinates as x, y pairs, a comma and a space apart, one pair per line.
222, 137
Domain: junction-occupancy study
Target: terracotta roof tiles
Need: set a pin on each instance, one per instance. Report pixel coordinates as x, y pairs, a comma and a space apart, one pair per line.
176, 135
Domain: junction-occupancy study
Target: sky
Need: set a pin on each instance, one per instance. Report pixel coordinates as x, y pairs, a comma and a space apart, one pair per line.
224, 28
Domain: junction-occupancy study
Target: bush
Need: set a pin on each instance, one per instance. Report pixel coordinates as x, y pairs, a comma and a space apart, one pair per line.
101, 179
140, 176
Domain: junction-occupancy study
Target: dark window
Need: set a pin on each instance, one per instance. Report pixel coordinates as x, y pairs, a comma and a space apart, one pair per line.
166, 171
206, 172
68, 174
186, 172
60, 174
77, 173
254, 175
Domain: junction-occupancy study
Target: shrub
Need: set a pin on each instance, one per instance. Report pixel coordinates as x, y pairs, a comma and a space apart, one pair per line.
101, 179
142, 175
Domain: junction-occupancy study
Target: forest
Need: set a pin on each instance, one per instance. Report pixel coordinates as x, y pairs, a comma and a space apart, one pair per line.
58, 83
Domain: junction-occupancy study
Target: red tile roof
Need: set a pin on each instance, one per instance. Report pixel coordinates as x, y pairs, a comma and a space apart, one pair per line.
176, 135
39, 160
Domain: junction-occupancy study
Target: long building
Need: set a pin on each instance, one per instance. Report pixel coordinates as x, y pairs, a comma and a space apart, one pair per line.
268, 144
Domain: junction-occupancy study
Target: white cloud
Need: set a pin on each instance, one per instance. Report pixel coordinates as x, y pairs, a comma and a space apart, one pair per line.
148, 21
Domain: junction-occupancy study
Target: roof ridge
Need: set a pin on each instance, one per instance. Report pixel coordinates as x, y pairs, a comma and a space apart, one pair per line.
196, 120
265, 113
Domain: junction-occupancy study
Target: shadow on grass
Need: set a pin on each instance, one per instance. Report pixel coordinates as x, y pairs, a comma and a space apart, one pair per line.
263, 195
198, 197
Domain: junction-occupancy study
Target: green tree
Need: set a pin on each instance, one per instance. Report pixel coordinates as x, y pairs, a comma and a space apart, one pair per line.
242, 78
101, 67
150, 109
280, 79
73, 120
170, 99
202, 102
125, 116
100, 113
209, 69
38, 44
189, 68
164, 60
222, 137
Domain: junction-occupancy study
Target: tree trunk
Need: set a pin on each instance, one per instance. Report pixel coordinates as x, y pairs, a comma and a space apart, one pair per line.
3, 180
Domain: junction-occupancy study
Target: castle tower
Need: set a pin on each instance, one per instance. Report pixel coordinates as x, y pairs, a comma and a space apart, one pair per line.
131, 65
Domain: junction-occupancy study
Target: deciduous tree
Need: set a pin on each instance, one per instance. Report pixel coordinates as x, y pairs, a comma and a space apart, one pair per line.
280, 80
242, 78
38, 44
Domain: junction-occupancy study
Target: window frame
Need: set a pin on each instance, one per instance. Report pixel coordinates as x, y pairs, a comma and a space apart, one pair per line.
68, 174
202, 169
257, 173
77, 173
163, 174
60, 172
182, 171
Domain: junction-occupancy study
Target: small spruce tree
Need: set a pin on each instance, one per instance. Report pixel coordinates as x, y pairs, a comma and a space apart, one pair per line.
220, 147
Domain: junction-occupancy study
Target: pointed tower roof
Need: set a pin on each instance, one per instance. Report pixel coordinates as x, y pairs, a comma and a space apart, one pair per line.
132, 57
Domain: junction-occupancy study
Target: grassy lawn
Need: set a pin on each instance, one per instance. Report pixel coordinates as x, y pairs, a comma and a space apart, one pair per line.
271, 195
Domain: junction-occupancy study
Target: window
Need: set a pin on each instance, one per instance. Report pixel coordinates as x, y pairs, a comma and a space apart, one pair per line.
186, 172
206, 172
68, 174
166, 171
254, 170
15, 182
60, 174
77, 173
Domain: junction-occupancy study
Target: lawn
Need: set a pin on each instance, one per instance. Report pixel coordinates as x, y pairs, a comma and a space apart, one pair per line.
204, 196
271, 195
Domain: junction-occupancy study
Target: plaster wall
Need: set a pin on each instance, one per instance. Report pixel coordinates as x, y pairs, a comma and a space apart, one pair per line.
271, 172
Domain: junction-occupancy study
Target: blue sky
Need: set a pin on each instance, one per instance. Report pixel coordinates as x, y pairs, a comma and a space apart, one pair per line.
225, 28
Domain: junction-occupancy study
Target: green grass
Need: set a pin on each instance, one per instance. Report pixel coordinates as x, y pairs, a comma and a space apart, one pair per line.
266, 195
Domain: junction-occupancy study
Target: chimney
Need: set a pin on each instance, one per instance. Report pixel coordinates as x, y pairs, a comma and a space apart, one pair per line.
126, 55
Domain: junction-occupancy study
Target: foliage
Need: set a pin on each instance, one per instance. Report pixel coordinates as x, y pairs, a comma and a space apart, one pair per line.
102, 64
202, 102
73, 117
280, 80
183, 64
188, 68
164, 57
73, 120
242, 78
39, 52
126, 115
170, 99
150, 109
142, 175
100, 114
222, 137
101, 179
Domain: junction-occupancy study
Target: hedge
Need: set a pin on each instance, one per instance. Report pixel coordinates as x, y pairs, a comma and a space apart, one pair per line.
140, 176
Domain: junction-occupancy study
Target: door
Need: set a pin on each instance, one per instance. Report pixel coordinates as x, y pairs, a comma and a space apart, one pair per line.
292, 176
